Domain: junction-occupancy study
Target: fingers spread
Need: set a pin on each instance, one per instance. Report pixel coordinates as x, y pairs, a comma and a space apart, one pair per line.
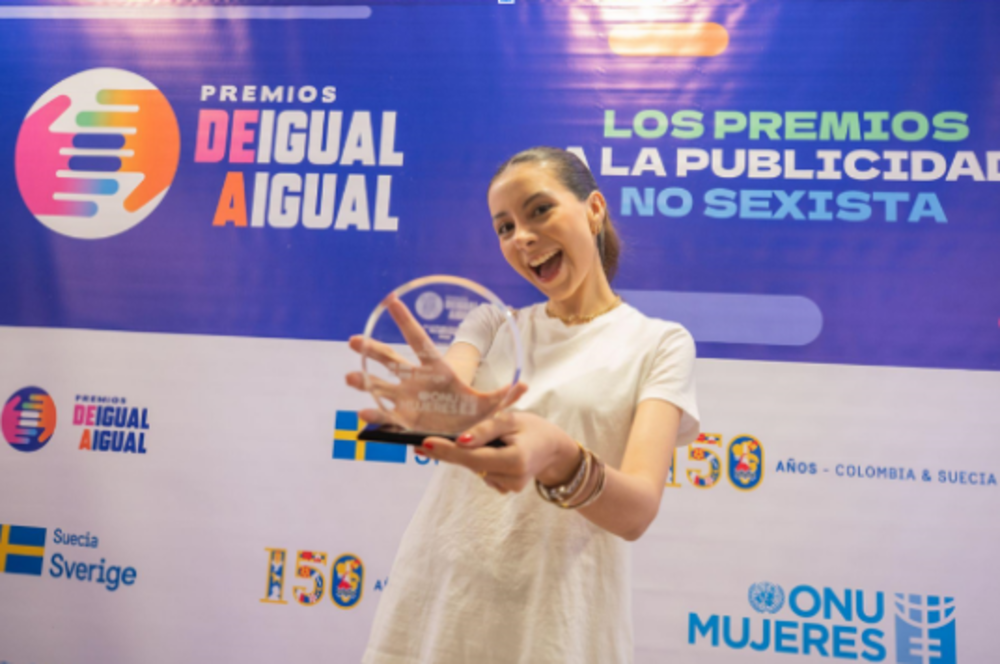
381, 353
374, 385
355, 379
412, 331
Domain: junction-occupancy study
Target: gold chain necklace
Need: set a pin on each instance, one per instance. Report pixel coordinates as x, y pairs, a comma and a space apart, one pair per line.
573, 319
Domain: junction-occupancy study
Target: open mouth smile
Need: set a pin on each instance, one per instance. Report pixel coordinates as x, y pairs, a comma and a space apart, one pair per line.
546, 266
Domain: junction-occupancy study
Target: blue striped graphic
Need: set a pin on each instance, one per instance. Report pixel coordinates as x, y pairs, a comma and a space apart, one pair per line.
99, 141
109, 164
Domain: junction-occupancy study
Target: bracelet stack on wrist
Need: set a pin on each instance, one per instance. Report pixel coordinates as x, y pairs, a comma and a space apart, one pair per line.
582, 489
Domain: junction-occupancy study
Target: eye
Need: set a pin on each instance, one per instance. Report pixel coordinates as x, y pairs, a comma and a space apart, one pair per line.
504, 228
541, 209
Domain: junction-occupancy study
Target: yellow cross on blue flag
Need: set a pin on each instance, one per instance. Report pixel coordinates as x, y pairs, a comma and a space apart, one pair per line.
22, 549
347, 446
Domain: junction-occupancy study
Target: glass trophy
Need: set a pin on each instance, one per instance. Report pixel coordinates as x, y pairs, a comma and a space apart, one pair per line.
405, 341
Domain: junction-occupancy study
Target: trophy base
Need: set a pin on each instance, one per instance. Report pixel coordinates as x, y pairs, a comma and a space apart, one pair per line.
390, 433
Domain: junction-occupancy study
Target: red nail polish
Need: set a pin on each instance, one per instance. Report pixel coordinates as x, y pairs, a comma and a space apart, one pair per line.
429, 446
465, 438
419, 452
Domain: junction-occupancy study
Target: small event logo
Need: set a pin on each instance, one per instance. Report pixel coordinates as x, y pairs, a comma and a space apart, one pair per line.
429, 305
925, 629
707, 460
346, 445
838, 623
29, 419
110, 424
22, 549
97, 153
347, 575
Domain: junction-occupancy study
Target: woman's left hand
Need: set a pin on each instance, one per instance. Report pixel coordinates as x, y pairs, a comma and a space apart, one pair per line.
535, 448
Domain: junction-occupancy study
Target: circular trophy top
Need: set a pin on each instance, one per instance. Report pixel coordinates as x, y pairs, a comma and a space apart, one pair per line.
420, 380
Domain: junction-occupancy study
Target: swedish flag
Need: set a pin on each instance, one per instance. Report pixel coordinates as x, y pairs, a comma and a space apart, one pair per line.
347, 446
22, 549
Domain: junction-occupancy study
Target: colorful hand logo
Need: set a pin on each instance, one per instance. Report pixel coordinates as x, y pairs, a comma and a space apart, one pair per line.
77, 161
29, 419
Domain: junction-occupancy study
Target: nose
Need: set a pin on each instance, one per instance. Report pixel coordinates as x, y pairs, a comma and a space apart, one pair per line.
523, 237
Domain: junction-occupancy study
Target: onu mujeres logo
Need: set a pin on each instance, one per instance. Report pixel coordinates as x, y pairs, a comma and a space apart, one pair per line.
835, 623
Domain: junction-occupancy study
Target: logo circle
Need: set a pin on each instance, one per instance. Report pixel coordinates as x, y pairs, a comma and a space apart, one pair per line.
348, 581
97, 153
766, 597
29, 419
429, 305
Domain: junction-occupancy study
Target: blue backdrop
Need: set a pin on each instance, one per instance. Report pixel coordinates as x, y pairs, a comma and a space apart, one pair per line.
471, 83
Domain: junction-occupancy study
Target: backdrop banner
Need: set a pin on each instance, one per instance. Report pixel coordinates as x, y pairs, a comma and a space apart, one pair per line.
204, 201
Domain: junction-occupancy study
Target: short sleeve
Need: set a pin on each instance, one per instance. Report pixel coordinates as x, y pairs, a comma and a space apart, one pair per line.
480, 327
670, 377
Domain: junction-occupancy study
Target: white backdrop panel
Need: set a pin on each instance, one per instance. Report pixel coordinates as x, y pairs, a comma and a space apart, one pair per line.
239, 461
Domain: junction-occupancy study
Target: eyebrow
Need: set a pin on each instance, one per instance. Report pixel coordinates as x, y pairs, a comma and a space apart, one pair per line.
527, 203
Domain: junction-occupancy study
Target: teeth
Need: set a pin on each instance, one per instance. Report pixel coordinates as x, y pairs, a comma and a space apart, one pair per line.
541, 259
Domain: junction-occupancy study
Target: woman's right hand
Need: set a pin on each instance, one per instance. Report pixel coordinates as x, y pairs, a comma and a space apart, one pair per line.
429, 396
535, 449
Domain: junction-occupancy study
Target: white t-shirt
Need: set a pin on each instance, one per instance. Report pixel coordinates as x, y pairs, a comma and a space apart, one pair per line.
483, 578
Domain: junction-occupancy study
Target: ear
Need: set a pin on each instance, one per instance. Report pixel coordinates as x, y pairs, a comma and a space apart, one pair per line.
597, 211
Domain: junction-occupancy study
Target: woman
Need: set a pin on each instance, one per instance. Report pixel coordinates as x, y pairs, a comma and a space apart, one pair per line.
485, 577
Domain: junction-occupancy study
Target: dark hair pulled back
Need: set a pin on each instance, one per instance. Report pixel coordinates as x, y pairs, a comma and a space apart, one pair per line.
573, 174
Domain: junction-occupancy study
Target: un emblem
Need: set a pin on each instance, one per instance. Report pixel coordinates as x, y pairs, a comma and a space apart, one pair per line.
766, 597
925, 629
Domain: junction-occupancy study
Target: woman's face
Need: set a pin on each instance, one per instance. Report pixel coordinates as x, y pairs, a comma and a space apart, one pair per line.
545, 233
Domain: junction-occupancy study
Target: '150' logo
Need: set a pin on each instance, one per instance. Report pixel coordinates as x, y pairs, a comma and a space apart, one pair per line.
742, 462
347, 575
